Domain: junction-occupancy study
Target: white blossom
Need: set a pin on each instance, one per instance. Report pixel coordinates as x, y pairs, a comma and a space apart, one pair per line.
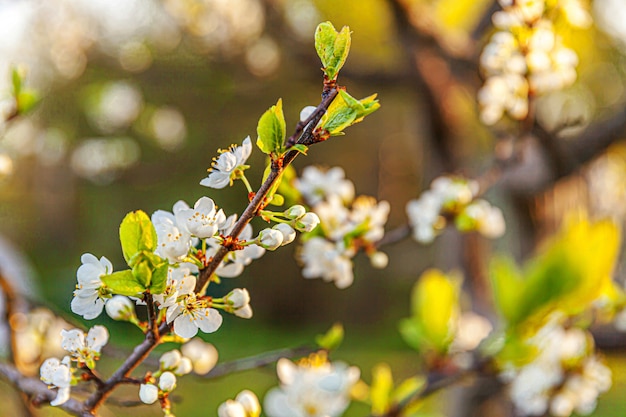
191, 314
167, 382
306, 112
246, 404
224, 167
307, 223
173, 240
175, 362
239, 297
311, 388
323, 259
289, 234
203, 220
231, 408
203, 355
85, 348
379, 260
58, 374
317, 184
148, 393
295, 212
90, 294
561, 378
120, 308
250, 403
270, 239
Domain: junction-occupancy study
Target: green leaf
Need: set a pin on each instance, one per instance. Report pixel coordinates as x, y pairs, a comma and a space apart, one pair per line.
137, 234
123, 283
277, 200
16, 80
346, 111
272, 129
332, 47
159, 279
507, 286
26, 101
332, 338
142, 273
300, 148
325, 35
382, 386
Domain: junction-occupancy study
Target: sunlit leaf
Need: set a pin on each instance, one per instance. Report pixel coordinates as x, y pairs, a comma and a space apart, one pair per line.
137, 234
123, 283
272, 129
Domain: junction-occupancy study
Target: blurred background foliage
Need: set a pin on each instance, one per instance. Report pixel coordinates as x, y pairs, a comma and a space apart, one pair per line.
136, 96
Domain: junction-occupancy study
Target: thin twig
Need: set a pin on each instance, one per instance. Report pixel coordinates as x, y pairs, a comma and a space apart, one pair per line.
10, 298
250, 212
37, 390
258, 361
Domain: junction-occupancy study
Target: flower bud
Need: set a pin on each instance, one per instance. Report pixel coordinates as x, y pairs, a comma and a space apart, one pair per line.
231, 408
120, 308
307, 222
170, 360
167, 382
379, 260
184, 367
295, 212
289, 234
148, 393
239, 297
250, 403
203, 355
244, 312
270, 239
306, 112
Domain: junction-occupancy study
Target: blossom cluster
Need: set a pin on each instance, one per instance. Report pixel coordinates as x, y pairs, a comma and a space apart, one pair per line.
311, 387
347, 224
526, 57
195, 355
565, 376
84, 350
454, 199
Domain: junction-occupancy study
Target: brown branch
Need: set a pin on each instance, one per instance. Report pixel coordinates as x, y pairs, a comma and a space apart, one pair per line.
258, 361
37, 390
10, 299
435, 382
122, 374
250, 212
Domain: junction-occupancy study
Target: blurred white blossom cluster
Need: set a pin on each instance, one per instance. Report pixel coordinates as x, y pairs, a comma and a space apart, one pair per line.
347, 224
313, 386
453, 199
526, 57
37, 336
564, 377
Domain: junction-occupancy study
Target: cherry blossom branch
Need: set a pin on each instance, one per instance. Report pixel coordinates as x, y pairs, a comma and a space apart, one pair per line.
306, 138
141, 352
122, 374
